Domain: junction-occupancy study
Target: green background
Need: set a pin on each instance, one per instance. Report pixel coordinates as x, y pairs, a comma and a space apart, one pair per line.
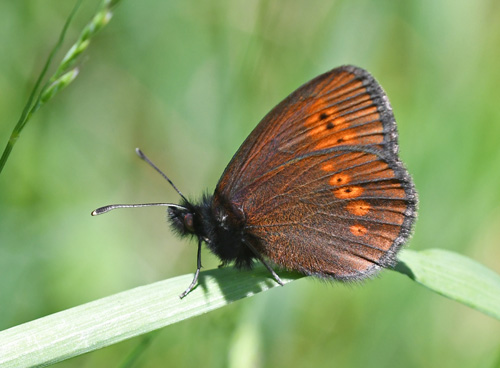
187, 81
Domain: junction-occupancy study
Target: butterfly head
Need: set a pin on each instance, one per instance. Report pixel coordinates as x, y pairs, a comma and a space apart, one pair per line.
183, 219
192, 218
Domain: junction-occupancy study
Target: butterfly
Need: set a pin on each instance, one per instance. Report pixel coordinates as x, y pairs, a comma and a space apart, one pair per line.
317, 187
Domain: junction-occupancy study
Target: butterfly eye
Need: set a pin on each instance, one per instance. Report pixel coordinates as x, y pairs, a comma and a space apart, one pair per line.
189, 222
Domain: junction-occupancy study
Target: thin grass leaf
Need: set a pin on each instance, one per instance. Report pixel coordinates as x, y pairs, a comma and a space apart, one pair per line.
131, 313
454, 276
134, 312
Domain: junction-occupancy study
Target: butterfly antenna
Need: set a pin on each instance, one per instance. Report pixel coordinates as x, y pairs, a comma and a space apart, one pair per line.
110, 207
145, 158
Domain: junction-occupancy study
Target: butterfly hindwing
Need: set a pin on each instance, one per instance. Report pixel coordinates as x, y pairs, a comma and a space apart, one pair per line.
345, 216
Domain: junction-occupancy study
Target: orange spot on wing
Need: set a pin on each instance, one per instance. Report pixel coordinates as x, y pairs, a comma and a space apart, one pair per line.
333, 140
358, 208
318, 131
327, 167
358, 230
348, 192
321, 121
339, 179
317, 105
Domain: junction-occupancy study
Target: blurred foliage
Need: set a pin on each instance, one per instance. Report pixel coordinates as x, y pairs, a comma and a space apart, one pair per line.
187, 81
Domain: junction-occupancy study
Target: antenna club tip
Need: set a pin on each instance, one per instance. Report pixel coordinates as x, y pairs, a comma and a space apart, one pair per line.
101, 210
139, 152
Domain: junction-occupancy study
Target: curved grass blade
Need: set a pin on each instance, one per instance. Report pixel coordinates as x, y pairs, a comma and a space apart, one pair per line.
131, 313
454, 276
134, 312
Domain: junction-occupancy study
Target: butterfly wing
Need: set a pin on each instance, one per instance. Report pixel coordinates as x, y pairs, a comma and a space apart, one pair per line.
319, 181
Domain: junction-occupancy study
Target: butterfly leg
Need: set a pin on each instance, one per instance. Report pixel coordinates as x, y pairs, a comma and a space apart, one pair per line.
196, 274
260, 258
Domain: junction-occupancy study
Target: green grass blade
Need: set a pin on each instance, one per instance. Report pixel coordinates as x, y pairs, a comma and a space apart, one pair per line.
131, 313
134, 312
454, 276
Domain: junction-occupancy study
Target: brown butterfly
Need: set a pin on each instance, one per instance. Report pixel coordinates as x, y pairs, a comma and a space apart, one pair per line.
317, 187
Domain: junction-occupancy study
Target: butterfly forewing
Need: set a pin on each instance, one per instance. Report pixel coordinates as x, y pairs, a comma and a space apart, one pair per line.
319, 181
343, 107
